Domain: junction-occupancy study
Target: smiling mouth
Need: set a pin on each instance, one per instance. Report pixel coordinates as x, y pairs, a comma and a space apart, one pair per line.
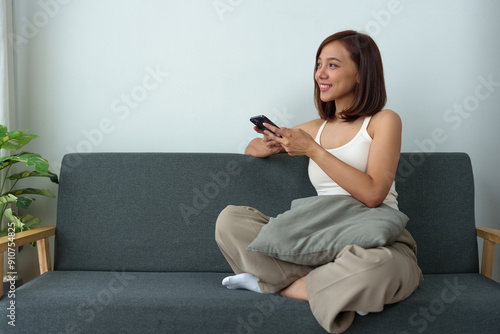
324, 87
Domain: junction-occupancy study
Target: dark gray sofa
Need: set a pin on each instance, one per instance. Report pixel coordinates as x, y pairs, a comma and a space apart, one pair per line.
135, 249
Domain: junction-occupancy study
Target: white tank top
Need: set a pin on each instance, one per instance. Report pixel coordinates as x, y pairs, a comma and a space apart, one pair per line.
354, 153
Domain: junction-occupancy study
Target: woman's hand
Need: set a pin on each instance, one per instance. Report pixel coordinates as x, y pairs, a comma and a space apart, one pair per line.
263, 147
270, 142
294, 141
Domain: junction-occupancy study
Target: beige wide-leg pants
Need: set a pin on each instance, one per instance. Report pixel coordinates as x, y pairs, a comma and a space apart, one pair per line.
357, 280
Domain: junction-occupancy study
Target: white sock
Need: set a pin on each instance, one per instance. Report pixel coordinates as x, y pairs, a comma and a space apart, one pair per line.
361, 313
242, 281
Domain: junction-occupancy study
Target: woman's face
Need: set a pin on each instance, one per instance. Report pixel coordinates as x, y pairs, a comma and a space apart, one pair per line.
336, 74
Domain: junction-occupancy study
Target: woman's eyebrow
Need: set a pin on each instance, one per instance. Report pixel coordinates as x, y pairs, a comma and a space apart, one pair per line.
332, 58
336, 59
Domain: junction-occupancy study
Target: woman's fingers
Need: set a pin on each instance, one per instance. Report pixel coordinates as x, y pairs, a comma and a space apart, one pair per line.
277, 131
256, 128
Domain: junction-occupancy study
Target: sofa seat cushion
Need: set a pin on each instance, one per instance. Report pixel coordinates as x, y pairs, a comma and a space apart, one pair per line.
443, 304
150, 302
195, 302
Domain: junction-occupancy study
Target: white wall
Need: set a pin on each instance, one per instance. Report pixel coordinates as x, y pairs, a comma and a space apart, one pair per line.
152, 75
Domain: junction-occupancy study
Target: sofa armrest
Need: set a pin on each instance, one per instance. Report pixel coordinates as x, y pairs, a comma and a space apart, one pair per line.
40, 235
491, 237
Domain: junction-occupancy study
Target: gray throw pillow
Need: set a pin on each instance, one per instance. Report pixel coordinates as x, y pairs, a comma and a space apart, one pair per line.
317, 228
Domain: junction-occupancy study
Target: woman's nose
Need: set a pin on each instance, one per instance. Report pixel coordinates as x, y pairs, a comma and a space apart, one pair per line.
321, 74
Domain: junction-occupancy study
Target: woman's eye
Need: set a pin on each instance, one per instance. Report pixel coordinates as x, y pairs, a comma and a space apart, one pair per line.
333, 66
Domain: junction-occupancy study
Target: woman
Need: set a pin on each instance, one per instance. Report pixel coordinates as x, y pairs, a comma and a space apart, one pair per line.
354, 150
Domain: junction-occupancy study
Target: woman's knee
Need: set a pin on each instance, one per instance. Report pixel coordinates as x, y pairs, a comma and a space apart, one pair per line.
391, 270
373, 267
223, 224
240, 222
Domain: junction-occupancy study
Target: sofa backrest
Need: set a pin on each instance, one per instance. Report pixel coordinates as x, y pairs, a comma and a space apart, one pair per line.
157, 211
436, 190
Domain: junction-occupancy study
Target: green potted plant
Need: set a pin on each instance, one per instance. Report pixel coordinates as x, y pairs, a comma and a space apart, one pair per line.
12, 198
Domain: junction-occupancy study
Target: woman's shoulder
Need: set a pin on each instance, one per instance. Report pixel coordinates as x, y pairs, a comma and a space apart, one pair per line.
384, 120
311, 127
386, 115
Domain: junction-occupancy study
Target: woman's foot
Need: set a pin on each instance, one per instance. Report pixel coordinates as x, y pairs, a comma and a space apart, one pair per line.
244, 281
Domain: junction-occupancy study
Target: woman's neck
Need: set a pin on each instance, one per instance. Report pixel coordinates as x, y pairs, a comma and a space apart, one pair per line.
343, 103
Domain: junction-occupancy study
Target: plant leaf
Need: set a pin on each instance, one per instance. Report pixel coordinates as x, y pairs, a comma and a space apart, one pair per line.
14, 140
24, 202
24, 223
8, 198
12, 217
30, 221
31, 159
3, 130
6, 163
27, 173
33, 191
4, 232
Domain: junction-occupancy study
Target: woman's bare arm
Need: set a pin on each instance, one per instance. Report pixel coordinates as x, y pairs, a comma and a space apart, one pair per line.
371, 187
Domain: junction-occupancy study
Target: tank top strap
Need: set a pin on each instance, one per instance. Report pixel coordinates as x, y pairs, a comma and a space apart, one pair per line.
366, 121
320, 131
363, 129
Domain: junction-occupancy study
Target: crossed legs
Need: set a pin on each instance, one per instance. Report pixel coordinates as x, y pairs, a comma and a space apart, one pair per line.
358, 280
236, 228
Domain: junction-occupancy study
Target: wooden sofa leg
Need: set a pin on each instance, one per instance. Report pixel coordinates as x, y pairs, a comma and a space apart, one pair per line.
487, 260
44, 262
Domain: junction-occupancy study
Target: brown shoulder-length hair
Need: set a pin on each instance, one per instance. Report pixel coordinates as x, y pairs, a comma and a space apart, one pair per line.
369, 95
